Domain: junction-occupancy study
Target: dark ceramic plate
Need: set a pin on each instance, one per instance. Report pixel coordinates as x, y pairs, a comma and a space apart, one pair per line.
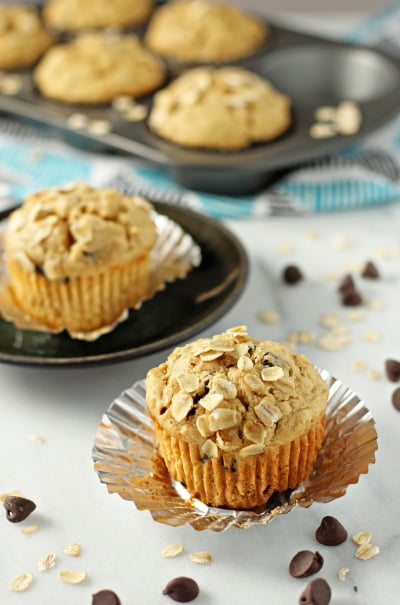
183, 309
313, 71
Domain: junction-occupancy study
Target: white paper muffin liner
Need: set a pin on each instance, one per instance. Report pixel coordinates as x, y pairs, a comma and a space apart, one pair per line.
127, 462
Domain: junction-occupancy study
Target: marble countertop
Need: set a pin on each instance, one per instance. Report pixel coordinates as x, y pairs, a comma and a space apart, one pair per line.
121, 546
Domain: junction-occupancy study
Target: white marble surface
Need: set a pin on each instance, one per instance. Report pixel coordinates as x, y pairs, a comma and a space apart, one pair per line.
120, 545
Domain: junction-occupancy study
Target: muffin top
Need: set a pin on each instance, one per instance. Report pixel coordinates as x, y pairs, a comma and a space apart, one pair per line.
73, 15
227, 108
203, 31
97, 67
22, 36
235, 393
68, 232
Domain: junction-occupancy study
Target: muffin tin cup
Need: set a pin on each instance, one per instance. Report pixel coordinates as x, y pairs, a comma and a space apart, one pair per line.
127, 461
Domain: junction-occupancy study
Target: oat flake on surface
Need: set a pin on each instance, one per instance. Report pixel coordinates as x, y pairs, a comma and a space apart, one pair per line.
21, 582
202, 557
72, 549
47, 562
362, 537
367, 551
172, 550
28, 530
72, 576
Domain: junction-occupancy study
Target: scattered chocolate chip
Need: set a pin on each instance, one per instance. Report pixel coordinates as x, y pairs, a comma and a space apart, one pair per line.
182, 589
331, 532
317, 592
292, 274
396, 399
305, 564
370, 271
105, 597
17, 508
351, 298
347, 283
392, 367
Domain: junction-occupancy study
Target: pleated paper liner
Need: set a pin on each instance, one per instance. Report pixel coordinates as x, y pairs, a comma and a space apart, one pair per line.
175, 253
126, 461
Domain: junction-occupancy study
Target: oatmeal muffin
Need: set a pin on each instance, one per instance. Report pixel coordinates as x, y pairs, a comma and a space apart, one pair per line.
226, 108
77, 257
75, 15
199, 31
23, 39
96, 68
237, 418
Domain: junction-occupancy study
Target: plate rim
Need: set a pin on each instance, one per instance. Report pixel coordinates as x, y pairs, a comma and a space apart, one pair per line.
160, 343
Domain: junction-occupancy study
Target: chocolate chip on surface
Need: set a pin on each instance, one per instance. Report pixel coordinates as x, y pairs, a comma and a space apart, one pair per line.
347, 283
305, 563
351, 298
396, 399
292, 274
392, 367
105, 597
18, 508
182, 589
370, 271
331, 532
317, 592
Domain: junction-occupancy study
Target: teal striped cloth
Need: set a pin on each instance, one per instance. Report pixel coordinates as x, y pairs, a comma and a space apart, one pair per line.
365, 175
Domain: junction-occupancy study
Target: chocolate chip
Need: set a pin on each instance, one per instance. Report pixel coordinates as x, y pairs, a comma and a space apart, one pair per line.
351, 298
331, 532
292, 274
305, 564
370, 271
396, 399
347, 283
182, 589
392, 367
18, 508
317, 592
105, 597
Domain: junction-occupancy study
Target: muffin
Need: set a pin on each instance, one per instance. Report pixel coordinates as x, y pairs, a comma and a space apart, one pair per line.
199, 31
23, 39
96, 68
226, 108
78, 257
236, 418
75, 15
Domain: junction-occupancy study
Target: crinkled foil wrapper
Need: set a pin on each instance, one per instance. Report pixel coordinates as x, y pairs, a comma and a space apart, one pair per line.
175, 253
126, 459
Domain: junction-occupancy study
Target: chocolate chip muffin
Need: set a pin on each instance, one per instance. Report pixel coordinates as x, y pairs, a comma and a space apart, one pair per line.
96, 68
200, 31
226, 108
237, 418
75, 15
23, 38
77, 257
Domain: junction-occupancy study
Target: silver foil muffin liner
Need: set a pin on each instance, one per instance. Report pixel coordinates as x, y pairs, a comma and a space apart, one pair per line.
126, 460
174, 254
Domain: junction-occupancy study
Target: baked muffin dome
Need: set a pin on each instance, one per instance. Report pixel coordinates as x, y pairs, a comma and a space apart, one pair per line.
200, 31
78, 257
75, 15
96, 68
23, 38
237, 418
226, 108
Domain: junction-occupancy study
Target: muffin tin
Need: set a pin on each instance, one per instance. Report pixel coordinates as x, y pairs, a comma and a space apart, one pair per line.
313, 71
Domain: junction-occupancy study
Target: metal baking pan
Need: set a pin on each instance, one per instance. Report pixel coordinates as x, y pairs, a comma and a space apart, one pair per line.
313, 71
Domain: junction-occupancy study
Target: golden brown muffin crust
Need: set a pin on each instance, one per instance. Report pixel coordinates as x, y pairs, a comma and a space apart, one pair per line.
203, 31
78, 230
23, 39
